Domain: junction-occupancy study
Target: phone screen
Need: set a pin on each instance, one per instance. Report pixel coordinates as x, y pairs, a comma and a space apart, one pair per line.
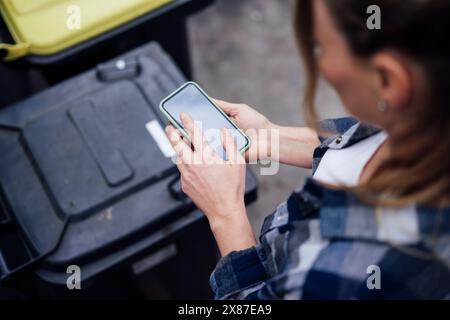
191, 100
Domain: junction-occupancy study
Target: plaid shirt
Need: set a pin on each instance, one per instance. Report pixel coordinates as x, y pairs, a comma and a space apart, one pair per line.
327, 244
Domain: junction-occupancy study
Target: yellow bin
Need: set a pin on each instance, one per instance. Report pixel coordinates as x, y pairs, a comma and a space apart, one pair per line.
46, 27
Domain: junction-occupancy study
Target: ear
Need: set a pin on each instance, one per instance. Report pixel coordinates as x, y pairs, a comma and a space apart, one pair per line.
393, 80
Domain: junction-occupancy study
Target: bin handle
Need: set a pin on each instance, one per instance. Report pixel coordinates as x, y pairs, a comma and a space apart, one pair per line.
9, 52
5, 221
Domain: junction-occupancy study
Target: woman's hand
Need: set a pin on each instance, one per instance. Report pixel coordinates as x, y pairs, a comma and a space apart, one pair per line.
288, 145
254, 124
216, 186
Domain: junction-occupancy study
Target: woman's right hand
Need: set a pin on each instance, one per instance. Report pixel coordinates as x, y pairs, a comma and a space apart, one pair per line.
253, 124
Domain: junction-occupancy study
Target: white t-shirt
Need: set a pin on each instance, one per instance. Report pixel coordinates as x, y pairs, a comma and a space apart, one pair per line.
344, 166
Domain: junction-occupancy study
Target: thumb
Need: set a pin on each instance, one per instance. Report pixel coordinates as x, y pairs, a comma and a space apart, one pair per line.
229, 108
230, 147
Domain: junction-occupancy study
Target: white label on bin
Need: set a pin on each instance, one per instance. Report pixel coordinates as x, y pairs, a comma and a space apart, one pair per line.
158, 134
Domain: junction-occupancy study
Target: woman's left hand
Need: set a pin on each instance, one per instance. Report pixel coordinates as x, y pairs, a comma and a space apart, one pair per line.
215, 185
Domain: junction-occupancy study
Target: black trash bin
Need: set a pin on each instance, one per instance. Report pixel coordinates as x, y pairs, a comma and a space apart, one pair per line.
85, 181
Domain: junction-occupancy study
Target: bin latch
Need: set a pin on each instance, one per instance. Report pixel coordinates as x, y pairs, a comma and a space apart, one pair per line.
118, 70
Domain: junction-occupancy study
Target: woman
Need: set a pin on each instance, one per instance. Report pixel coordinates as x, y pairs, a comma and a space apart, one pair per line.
374, 220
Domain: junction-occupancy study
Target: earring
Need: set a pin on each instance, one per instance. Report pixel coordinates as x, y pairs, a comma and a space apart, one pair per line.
383, 106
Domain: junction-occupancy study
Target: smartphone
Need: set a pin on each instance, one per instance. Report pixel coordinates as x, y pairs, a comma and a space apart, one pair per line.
192, 100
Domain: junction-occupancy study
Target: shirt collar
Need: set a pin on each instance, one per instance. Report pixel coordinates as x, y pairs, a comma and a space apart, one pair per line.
354, 134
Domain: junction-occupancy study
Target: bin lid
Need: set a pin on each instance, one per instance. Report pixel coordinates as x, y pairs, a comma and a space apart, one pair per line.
92, 150
45, 27
79, 170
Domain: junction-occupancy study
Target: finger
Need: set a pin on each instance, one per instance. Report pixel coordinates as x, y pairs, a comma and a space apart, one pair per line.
228, 144
227, 107
231, 149
182, 150
195, 133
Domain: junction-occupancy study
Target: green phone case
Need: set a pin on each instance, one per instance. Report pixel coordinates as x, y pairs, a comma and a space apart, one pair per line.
180, 127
